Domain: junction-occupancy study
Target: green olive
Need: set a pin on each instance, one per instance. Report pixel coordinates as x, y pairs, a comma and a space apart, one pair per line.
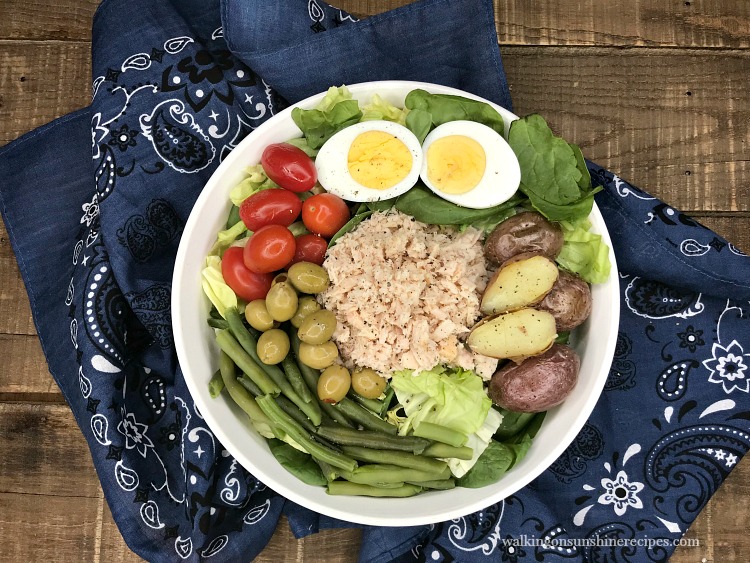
278, 278
368, 383
307, 305
334, 384
281, 301
273, 346
318, 356
317, 327
257, 315
308, 277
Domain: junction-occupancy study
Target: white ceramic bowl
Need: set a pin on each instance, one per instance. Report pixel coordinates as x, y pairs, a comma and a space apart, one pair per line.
198, 354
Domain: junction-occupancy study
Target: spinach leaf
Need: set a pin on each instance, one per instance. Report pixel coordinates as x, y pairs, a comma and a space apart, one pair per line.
442, 108
562, 337
513, 422
353, 222
425, 206
299, 464
382, 205
495, 460
320, 125
553, 173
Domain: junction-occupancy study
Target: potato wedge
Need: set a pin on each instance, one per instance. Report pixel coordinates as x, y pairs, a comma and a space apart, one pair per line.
517, 335
522, 281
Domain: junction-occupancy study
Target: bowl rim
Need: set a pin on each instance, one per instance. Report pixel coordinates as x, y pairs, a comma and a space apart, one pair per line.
499, 492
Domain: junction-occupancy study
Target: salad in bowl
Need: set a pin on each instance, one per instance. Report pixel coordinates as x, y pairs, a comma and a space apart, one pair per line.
396, 292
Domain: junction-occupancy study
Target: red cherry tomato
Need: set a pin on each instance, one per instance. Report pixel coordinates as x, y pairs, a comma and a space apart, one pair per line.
310, 248
270, 248
289, 167
324, 214
270, 207
246, 284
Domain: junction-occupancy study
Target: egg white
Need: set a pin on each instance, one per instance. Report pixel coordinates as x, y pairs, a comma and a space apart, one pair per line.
502, 173
333, 170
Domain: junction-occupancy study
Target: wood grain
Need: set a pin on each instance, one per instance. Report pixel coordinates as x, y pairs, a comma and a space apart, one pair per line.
15, 312
65, 20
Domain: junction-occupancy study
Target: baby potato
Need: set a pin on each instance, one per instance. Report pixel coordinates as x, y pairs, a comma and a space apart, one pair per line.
515, 336
569, 301
521, 281
538, 383
525, 232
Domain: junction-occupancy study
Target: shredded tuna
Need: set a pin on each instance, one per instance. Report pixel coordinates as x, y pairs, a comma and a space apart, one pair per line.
406, 294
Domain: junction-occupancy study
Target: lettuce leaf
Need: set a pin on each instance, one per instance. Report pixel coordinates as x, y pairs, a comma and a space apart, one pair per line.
255, 181
451, 397
335, 111
379, 109
553, 172
584, 253
226, 237
215, 288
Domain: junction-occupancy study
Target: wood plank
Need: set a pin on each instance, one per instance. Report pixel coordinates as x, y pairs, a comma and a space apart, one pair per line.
67, 20
112, 547
672, 122
699, 23
25, 370
39, 82
734, 228
706, 23
15, 311
327, 546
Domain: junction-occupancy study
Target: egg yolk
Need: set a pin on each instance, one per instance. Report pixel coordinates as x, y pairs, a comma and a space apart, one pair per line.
378, 160
455, 164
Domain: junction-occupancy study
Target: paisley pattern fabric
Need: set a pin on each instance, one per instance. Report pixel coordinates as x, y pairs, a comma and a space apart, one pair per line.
170, 102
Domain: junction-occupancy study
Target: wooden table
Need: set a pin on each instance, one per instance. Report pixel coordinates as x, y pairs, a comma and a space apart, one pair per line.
657, 90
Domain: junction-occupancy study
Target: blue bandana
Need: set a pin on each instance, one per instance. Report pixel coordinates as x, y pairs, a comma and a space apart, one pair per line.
176, 85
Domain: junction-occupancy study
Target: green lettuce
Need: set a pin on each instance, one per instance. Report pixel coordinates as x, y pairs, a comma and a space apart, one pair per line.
335, 111
553, 172
380, 109
215, 288
255, 181
584, 253
226, 237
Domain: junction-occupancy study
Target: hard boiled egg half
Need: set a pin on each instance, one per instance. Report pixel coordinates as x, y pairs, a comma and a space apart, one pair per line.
370, 161
470, 164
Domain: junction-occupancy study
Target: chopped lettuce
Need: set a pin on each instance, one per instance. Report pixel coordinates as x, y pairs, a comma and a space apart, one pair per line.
226, 237
478, 441
335, 111
215, 288
380, 109
302, 144
553, 173
584, 253
255, 181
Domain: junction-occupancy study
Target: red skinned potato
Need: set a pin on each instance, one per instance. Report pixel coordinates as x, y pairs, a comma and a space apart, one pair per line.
569, 301
538, 383
525, 232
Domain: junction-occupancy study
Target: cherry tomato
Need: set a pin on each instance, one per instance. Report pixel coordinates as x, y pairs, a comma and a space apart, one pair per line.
310, 248
289, 167
246, 284
270, 207
270, 248
324, 214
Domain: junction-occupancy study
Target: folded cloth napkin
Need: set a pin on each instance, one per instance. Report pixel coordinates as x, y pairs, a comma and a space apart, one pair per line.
176, 86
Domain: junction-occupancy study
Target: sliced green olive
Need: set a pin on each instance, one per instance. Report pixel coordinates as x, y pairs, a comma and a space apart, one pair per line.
257, 315
318, 356
306, 306
308, 277
278, 278
317, 327
273, 346
333, 384
368, 383
281, 301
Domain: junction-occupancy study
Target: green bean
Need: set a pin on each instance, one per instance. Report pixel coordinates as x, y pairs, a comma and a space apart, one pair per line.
215, 384
372, 439
361, 415
439, 433
311, 377
389, 393
218, 323
272, 410
348, 488
294, 376
441, 484
373, 405
402, 459
248, 384
238, 393
232, 348
383, 474
329, 472
438, 449
246, 340
293, 410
